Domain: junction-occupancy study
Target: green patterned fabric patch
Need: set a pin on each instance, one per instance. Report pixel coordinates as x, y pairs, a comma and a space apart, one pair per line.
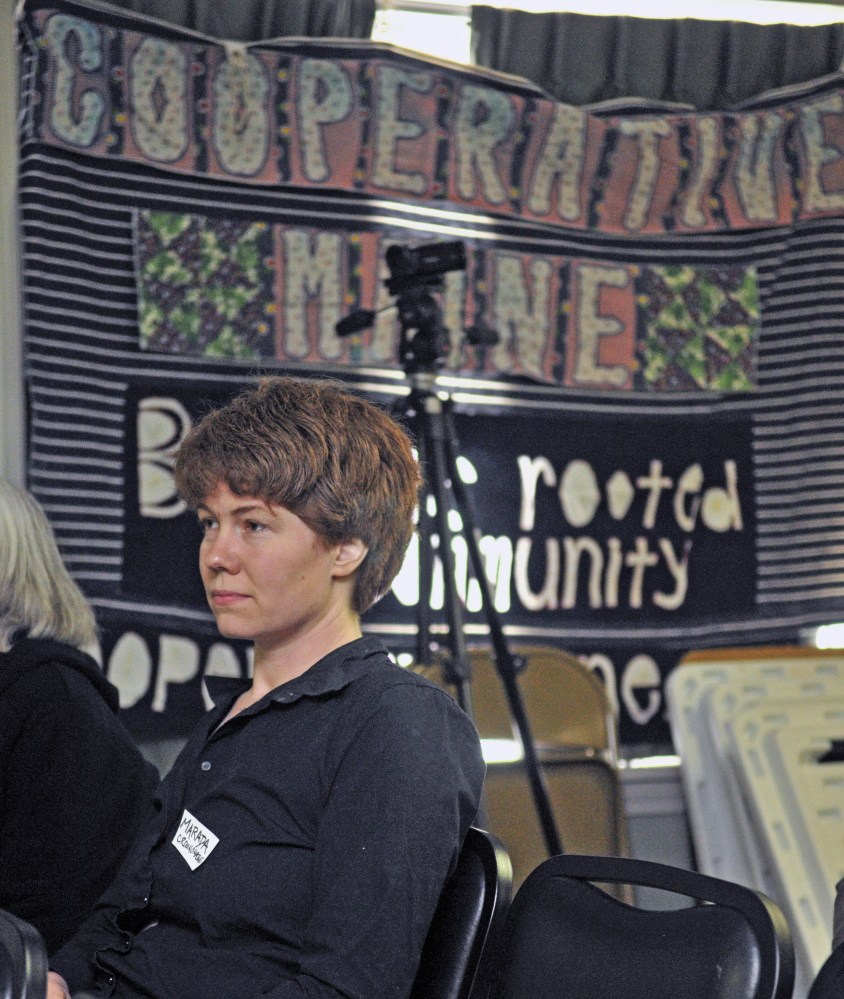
698, 328
204, 285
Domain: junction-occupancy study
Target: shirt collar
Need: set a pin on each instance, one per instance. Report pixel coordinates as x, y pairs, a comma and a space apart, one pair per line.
329, 674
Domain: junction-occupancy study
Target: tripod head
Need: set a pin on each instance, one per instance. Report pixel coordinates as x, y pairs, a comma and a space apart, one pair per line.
424, 340
415, 274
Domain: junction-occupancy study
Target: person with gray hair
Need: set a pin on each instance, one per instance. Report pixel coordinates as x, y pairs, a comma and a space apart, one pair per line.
74, 788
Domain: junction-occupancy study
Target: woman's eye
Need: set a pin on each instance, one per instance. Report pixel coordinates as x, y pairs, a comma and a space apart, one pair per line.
205, 524
255, 526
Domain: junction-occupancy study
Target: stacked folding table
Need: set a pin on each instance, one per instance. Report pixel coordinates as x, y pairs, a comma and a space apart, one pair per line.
760, 734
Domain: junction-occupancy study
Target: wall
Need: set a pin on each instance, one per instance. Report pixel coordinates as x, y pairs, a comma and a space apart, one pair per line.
11, 388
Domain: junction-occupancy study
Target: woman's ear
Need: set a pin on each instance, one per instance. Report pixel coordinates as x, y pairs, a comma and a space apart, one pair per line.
349, 556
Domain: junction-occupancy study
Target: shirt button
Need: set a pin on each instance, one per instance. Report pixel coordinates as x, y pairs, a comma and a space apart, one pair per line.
205, 765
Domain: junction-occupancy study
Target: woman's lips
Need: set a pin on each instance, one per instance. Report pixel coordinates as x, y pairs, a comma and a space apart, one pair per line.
226, 598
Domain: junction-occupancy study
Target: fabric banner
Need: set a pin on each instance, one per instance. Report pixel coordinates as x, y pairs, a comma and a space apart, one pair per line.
653, 444
217, 288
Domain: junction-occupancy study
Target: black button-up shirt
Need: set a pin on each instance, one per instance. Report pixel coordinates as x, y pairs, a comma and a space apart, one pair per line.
299, 849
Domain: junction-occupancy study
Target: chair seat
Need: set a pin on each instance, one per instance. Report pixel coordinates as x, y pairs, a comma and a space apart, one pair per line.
23, 959
829, 981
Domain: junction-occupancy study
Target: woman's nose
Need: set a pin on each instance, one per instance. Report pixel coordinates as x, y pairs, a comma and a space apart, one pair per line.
219, 553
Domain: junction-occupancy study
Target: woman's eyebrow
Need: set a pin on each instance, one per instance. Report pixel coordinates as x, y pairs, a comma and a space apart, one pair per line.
238, 510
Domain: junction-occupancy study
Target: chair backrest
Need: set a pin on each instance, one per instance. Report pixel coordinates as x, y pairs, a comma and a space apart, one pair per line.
23, 959
565, 701
459, 949
829, 981
575, 730
565, 936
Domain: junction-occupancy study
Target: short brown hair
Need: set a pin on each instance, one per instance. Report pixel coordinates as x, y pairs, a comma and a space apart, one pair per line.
334, 459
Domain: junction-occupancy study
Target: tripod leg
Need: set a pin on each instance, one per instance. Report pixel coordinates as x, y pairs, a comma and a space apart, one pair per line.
459, 670
459, 665
505, 662
423, 610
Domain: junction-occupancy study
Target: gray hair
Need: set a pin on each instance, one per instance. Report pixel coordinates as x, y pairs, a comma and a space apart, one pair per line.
37, 594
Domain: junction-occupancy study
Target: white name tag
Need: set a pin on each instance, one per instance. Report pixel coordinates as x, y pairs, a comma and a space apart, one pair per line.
194, 840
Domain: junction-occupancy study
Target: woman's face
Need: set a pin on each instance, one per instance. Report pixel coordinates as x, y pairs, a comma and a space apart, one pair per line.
268, 577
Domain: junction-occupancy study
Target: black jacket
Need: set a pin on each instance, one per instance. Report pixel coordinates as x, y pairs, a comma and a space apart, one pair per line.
300, 847
73, 786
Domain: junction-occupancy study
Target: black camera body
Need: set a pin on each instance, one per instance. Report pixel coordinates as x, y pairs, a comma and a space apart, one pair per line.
422, 265
415, 272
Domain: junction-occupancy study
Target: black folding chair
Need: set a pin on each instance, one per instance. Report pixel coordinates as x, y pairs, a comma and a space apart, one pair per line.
457, 957
565, 936
23, 959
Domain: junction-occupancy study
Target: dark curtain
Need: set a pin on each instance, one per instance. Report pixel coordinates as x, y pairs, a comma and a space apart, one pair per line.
585, 59
258, 20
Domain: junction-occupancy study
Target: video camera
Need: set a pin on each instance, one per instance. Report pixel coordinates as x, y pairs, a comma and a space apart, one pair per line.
422, 265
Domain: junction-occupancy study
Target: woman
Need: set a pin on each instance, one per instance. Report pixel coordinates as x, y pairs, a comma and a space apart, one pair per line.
73, 786
305, 832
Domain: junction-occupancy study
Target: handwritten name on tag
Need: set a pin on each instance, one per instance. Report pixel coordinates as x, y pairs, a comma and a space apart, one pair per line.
194, 840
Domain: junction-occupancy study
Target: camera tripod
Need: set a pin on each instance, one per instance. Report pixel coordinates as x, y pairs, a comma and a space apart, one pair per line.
415, 272
429, 413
